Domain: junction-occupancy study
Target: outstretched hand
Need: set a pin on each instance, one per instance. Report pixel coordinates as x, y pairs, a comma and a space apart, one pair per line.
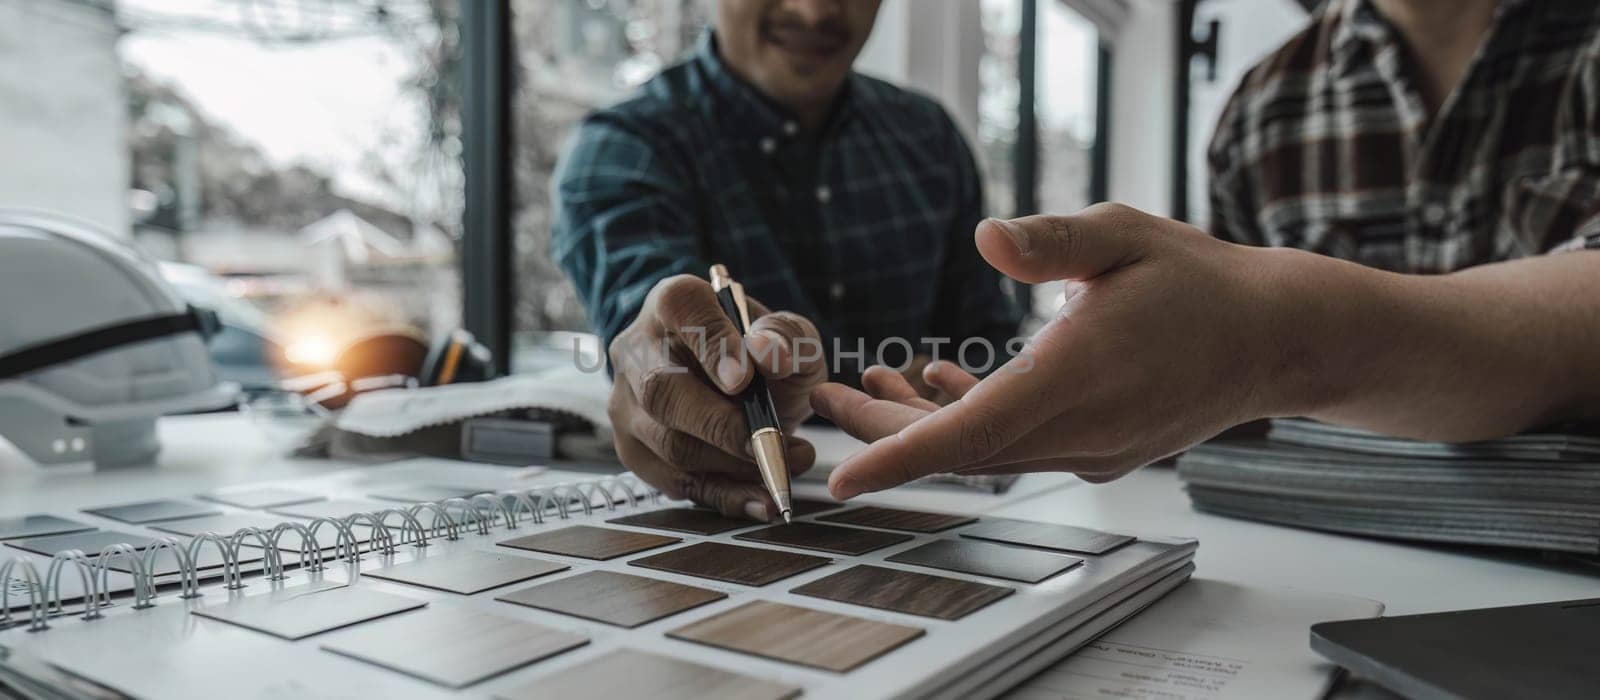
1164, 340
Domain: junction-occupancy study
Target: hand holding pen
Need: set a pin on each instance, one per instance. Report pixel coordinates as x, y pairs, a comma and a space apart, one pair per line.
679, 370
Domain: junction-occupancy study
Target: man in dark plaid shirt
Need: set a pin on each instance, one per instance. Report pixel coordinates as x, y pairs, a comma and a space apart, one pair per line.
1451, 147
1336, 144
842, 202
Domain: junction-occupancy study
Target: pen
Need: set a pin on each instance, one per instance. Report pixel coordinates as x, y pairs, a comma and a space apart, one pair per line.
766, 433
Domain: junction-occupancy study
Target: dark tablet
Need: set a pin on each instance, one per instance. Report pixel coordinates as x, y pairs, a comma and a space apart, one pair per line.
1527, 651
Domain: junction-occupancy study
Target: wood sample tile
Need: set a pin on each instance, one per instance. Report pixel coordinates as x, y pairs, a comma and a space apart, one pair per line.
260, 498
1064, 538
905, 591
151, 511
749, 566
425, 493
39, 526
454, 648
896, 519
984, 559
805, 506
289, 543
468, 572
617, 599
590, 542
92, 543
824, 640
337, 509
825, 538
647, 675
302, 611
694, 521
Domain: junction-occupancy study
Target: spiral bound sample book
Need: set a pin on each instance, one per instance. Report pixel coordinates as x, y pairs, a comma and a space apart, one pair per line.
317, 588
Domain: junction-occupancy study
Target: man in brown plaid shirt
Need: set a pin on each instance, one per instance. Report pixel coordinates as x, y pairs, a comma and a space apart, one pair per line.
1432, 155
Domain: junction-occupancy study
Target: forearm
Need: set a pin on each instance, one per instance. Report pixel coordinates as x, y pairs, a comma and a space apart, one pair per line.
1480, 353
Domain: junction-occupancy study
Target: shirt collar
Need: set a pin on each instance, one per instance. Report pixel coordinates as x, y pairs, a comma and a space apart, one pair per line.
1360, 24
747, 113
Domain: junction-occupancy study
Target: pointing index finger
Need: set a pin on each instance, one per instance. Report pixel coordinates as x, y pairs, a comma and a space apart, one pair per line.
992, 415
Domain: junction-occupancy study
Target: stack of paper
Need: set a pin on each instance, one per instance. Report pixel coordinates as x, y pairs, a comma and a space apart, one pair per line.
1539, 491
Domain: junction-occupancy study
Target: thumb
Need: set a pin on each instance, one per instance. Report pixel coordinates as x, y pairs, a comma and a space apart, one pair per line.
1036, 249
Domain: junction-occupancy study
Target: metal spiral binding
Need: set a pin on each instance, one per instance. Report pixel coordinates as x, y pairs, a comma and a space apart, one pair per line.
390, 529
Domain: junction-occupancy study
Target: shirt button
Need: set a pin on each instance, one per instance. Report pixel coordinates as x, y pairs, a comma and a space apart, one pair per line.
824, 194
1434, 214
790, 128
836, 291
769, 145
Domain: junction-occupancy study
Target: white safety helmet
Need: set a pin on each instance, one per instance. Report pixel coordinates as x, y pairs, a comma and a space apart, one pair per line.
94, 345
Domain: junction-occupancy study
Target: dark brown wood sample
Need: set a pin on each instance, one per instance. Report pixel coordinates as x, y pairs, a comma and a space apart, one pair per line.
905, 591
624, 600
691, 520
152, 511
984, 559
260, 498
749, 566
454, 648
468, 572
825, 538
824, 640
590, 542
805, 506
1047, 536
896, 519
629, 673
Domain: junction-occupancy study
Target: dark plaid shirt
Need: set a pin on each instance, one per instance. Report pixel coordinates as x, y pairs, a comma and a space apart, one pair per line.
864, 227
1327, 145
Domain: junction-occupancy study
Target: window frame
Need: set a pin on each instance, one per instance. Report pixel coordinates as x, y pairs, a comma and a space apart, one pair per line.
488, 284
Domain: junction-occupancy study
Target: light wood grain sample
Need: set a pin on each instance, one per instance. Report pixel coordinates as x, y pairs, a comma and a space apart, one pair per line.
39, 526
905, 591
452, 647
694, 521
984, 559
750, 566
629, 673
152, 511
824, 640
623, 674
624, 600
825, 538
589, 542
260, 498
303, 611
1047, 536
468, 572
896, 519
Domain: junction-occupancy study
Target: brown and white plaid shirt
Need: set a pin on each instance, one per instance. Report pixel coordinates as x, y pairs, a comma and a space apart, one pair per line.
1327, 145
